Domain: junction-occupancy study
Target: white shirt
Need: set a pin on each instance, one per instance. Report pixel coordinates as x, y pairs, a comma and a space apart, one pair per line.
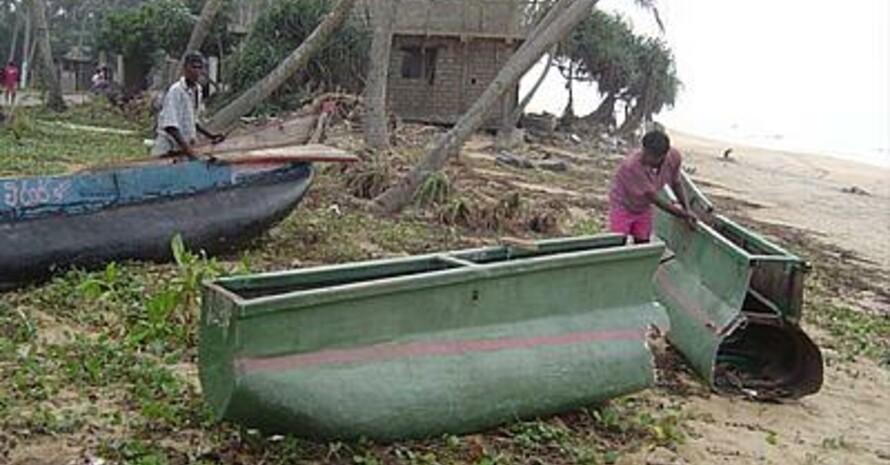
180, 110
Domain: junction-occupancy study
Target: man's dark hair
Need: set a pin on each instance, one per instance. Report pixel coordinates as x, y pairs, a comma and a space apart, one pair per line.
656, 142
192, 58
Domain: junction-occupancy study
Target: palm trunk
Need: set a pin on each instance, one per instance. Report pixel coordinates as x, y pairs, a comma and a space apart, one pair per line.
15, 38
520, 109
558, 22
26, 51
605, 112
568, 114
375, 121
54, 87
202, 27
294, 62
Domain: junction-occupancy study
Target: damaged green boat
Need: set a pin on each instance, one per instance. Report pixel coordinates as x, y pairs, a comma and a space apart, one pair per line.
734, 301
442, 343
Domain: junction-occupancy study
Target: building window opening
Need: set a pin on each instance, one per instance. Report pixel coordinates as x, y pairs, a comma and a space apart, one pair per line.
419, 63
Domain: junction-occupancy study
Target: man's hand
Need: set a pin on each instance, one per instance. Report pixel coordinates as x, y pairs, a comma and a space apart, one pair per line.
689, 218
217, 138
190, 152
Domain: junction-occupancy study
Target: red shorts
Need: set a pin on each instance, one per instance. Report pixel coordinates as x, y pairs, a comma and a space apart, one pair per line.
638, 225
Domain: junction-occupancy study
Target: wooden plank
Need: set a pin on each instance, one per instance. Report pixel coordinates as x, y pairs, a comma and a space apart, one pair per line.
316, 153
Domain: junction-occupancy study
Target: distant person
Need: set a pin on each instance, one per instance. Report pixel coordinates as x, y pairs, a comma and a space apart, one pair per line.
10, 82
637, 182
99, 82
178, 126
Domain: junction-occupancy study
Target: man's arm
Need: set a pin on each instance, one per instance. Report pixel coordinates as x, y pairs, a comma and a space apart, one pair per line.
187, 148
666, 206
680, 193
214, 138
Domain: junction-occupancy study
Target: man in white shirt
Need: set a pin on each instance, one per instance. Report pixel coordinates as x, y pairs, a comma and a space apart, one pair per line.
178, 126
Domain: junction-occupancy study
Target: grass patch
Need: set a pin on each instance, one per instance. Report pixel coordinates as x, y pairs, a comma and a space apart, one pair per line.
31, 148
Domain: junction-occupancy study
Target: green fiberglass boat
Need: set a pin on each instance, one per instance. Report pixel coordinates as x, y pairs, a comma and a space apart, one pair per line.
735, 301
443, 343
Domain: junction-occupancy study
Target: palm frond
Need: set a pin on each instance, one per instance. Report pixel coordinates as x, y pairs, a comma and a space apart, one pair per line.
652, 5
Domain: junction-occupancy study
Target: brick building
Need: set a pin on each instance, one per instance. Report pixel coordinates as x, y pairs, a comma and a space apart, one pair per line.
446, 52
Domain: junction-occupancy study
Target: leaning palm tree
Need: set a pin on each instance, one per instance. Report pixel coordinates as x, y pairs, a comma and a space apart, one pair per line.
50, 79
253, 96
560, 19
202, 27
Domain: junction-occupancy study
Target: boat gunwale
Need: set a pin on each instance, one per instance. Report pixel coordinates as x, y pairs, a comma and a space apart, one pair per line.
607, 240
255, 307
780, 253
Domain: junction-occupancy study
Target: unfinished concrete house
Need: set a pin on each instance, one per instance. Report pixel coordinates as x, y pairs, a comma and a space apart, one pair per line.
446, 52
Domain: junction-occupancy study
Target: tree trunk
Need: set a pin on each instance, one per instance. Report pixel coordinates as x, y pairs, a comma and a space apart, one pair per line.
605, 112
633, 120
51, 79
15, 39
568, 114
375, 120
202, 27
26, 51
293, 63
520, 109
565, 15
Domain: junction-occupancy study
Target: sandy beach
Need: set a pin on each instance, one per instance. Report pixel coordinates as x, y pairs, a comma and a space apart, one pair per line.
841, 202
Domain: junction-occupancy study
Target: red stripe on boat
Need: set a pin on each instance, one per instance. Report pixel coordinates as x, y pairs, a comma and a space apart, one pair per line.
383, 352
686, 303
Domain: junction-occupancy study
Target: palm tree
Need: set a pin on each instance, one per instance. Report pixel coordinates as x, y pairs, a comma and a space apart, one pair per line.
202, 27
278, 76
606, 48
654, 87
375, 121
560, 19
517, 113
51, 80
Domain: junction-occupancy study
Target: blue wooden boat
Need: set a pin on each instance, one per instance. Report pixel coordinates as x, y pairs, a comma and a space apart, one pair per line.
132, 211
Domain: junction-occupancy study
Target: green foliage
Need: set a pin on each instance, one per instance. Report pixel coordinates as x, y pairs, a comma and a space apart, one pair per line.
286, 24
436, 190
655, 85
639, 70
138, 33
144, 33
605, 47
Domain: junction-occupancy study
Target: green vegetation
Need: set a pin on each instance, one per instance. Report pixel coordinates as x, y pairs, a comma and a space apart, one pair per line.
340, 64
32, 142
627, 67
146, 32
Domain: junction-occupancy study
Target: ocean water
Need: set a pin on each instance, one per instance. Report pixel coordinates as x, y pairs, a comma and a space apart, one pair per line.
795, 75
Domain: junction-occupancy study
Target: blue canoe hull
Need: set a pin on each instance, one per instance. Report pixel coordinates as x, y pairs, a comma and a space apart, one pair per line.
132, 213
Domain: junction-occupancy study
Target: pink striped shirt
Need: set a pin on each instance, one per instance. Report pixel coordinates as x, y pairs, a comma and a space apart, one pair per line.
633, 180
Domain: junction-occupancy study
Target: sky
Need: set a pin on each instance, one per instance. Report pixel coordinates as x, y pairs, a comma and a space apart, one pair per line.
800, 75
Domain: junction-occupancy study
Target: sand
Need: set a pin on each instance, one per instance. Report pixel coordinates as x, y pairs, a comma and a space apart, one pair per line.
841, 202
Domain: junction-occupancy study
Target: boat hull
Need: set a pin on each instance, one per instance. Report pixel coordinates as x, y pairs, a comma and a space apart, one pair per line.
214, 220
735, 300
423, 346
